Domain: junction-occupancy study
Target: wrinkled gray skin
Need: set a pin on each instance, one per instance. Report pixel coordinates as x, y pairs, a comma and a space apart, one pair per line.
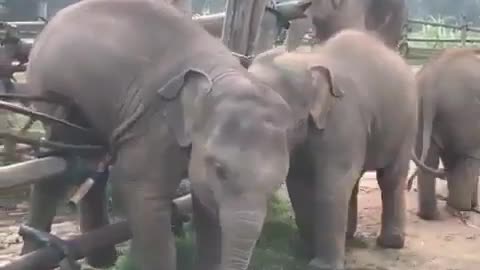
326, 17
336, 139
167, 105
449, 128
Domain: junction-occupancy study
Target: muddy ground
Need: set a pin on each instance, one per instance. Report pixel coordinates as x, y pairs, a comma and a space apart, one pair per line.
450, 244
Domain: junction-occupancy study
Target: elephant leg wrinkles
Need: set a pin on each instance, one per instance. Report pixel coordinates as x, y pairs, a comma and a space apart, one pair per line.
93, 215
44, 199
146, 173
392, 182
353, 212
462, 178
426, 182
300, 184
335, 178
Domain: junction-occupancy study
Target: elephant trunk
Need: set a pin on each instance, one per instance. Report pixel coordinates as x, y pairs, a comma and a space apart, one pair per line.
240, 231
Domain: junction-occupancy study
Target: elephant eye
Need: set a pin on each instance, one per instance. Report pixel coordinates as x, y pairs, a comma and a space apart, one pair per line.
220, 171
218, 168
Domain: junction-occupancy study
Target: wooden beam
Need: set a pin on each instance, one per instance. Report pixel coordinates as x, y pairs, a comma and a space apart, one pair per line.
241, 25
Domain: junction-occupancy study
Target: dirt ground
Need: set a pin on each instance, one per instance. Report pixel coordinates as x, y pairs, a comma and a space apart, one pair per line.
450, 244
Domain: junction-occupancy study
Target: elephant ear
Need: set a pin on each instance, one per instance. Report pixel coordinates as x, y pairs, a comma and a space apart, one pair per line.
325, 90
183, 95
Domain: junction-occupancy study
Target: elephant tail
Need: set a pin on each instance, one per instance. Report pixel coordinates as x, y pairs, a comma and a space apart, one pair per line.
426, 117
439, 173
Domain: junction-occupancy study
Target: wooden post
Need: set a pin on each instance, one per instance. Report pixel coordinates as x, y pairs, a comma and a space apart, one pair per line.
42, 9
464, 30
241, 25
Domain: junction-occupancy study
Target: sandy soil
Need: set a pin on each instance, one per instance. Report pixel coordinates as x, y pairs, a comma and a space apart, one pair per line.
449, 244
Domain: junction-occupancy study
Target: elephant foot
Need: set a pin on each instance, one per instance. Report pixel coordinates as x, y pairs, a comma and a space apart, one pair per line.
429, 214
357, 241
464, 216
103, 258
394, 241
318, 264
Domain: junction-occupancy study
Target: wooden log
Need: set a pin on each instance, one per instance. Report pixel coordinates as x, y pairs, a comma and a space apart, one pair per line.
241, 25
80, 247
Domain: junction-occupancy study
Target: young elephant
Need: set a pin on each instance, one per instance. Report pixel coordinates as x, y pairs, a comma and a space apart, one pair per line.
355, 105
167, 97
449, 128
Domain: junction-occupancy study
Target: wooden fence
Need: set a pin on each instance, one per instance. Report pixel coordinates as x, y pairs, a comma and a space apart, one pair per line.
418, 55
414, 54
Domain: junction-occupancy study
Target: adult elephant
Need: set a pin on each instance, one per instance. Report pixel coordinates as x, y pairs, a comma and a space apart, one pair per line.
449, 129
355, 110
326, 17
165, 106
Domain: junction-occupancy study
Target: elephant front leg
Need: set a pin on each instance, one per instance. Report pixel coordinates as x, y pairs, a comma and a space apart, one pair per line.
462, 180
300, 190
208, 235
352, 240
94, 215
332, 193
149, 216
44, 199
146, 178
392, 182
427, 201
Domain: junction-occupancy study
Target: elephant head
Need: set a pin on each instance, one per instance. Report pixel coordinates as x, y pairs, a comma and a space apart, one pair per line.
309, 86
237, 131
384, 17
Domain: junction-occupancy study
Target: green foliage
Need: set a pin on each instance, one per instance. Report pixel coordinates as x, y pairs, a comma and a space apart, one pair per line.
276, 249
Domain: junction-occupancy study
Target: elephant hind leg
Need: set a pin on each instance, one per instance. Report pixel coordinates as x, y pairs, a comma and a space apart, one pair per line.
44, 199
353, 212
94, 215
475, 194
392, 182
427, 201
462, 179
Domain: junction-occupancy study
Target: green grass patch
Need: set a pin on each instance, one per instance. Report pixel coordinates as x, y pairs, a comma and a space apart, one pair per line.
277, 248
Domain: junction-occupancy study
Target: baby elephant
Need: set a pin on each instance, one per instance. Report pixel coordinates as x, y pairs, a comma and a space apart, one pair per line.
449, 86
355, 105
